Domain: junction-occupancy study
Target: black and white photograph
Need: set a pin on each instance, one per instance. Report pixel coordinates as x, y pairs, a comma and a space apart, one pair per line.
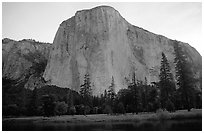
101, 66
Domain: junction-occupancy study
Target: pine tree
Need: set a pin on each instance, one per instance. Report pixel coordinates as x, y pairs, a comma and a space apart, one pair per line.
86, 91
105, 97
166, 82
153, 99
111, 90
144, 95
70, 98
184, 76
32, 105
135, 94
111, 93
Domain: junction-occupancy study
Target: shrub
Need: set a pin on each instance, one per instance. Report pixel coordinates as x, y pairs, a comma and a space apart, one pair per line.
130, 108
48, 105
162, 114
121, 108
11, 109
100, 110
40, 110
81, 109
170, 106
156, 105
95, 110
61, 108
72, 110
23, 110
153, 106
87, 110
107, 110
78, 109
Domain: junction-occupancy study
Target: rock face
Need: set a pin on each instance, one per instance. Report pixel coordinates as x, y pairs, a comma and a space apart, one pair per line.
24, 61
103, 44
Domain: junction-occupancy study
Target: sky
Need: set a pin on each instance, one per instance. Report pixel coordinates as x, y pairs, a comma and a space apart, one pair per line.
40, 21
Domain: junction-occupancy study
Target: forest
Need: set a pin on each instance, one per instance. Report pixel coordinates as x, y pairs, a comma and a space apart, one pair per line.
167, 94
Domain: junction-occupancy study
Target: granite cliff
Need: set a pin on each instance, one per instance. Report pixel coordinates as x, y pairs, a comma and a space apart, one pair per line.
103, 44
24, 61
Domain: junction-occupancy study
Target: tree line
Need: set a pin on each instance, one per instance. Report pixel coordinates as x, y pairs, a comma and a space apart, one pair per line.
168, 94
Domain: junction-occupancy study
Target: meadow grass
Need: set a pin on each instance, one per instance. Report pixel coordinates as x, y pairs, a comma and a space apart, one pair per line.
159, 115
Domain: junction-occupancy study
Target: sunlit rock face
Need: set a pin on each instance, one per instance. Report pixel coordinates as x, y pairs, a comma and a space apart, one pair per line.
19, 59
103, 44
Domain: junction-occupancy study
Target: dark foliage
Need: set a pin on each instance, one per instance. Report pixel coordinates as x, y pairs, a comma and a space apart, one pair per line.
107, 109
95, 110
185, 78
198, 100
82, 109
72, 110
170, 106
146, 98
120, 108
59, 94
48, 105
135, 95
32, 108
87, 110
110, 96
61, 108
86, 91
11, 109
152, 99
167, 86
14, 93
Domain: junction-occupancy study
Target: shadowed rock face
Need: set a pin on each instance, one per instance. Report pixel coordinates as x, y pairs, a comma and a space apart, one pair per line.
24, 61
103, 44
